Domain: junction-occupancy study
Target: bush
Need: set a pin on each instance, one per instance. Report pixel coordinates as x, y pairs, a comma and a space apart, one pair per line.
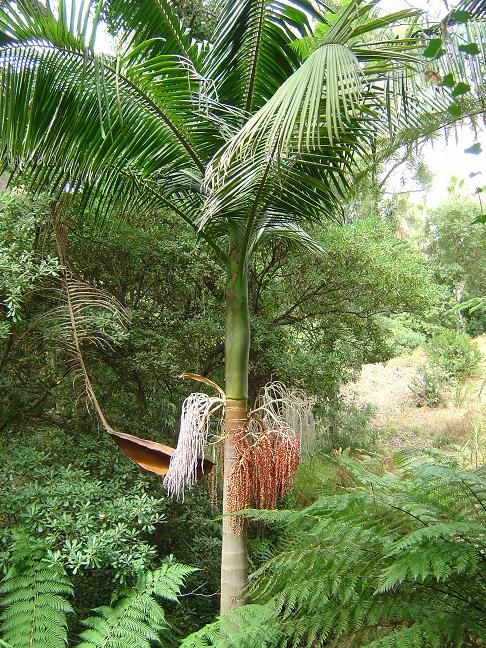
104, 520
403, 338
428, 386
349, 426
451, 358
454, 354
87, 522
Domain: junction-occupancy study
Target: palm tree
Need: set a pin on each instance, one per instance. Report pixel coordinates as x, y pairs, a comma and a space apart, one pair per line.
250, 137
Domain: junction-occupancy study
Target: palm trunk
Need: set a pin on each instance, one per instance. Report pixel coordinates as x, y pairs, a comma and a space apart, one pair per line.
234, 560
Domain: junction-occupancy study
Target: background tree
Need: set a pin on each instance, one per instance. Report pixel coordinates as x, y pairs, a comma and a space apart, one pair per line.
457, 246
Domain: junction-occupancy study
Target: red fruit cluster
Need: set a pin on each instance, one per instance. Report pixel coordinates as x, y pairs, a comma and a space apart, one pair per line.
264, 467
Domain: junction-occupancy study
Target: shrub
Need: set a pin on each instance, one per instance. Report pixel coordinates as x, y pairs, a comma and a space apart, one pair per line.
103, 519
88, 524
453, 353
451, 358
403, 337
349, 426
428, 386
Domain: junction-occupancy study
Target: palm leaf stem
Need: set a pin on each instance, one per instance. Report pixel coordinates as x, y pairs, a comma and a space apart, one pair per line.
222, 256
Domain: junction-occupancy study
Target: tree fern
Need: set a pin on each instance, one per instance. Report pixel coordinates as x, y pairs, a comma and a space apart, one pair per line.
390, 561
136, 620
33, 595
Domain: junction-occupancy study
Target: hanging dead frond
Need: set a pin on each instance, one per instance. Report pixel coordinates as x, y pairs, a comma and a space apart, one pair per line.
188, 459
81, 317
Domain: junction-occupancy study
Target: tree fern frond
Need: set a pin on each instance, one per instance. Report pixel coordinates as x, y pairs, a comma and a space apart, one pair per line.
241, 627
34, 596
136, 618
391, 560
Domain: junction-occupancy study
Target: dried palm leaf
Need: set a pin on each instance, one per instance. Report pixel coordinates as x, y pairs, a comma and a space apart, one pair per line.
80, 301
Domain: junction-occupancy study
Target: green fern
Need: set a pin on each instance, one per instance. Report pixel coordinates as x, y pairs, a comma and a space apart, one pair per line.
390, 561
136, 619
33, 595
251, 626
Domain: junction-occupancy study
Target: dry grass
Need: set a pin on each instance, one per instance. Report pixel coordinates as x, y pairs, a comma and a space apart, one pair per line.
404, 424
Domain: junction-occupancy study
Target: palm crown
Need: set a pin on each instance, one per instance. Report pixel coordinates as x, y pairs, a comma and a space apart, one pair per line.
248, 136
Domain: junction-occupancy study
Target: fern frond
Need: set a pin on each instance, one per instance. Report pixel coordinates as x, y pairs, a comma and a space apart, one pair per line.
390, 561
33, 595
136, 619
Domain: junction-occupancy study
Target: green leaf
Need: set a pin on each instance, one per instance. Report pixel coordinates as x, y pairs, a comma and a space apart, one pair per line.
454, 110
479, 219
460, 89
434, 48
470, 48
448, 80
475, 149
460, 16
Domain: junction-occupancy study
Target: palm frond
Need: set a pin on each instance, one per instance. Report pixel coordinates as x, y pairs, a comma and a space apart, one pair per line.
153, 24
252, 54
30, 21
476, 8
288, 232
333, 85
113, 113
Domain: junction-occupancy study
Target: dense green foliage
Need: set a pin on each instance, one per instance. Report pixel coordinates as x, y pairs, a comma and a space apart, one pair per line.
314, 321
380, 560
451, 358
454, 354
457, 247
22, 264
35, 593
101, 518
87, 526
152, 147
